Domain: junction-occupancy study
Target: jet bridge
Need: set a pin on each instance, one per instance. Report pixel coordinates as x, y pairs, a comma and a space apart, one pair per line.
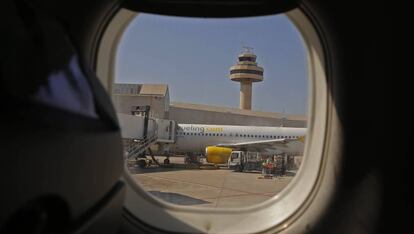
139, 132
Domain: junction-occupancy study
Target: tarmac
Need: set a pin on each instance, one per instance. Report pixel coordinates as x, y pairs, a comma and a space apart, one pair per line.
208, 188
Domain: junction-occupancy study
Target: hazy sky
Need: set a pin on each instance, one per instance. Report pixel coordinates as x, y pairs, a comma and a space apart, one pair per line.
193, 57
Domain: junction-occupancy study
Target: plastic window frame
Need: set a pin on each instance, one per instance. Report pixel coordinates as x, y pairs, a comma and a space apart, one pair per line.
311, 186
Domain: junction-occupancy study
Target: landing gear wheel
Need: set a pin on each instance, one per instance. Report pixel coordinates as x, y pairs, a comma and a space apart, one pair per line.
166, 161
141, 163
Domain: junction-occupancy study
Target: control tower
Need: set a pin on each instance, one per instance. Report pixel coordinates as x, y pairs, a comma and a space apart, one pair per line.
246, 71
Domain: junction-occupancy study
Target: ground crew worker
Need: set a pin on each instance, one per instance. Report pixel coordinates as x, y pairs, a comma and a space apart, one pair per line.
283, 165
264, 166
268, 166
274, 164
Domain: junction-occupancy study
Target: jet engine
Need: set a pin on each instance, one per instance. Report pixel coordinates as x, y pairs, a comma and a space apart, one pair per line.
217, 155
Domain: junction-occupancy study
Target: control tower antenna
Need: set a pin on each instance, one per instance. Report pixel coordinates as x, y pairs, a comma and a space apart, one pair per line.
247, 50
246, 71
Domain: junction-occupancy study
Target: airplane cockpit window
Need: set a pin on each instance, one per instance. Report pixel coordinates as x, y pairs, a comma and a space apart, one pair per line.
240, 83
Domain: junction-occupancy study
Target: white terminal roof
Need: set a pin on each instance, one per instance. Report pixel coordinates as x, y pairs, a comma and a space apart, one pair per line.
238, 111
154, 89
140, 89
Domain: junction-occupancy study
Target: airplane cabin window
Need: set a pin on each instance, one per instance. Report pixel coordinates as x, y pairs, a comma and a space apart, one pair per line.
239, 82
240, 77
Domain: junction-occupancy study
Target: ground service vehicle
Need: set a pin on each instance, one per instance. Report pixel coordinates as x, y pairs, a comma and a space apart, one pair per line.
245, 161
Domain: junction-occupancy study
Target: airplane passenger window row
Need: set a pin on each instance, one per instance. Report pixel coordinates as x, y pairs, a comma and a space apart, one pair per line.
237, 135
202, 134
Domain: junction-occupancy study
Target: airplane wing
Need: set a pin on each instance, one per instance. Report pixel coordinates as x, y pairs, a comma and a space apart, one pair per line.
272, 146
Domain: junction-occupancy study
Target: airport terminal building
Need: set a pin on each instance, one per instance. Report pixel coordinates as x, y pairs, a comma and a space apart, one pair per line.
127, 96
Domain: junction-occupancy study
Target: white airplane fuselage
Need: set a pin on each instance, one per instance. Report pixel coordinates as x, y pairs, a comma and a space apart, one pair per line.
196, 137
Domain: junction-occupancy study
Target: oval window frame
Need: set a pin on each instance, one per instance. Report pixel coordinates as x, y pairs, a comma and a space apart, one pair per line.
312, 186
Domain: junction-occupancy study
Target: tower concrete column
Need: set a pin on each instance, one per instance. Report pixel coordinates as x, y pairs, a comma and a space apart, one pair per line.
246, 95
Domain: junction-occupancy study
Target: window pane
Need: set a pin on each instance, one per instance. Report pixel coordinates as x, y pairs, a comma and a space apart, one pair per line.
244, 79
